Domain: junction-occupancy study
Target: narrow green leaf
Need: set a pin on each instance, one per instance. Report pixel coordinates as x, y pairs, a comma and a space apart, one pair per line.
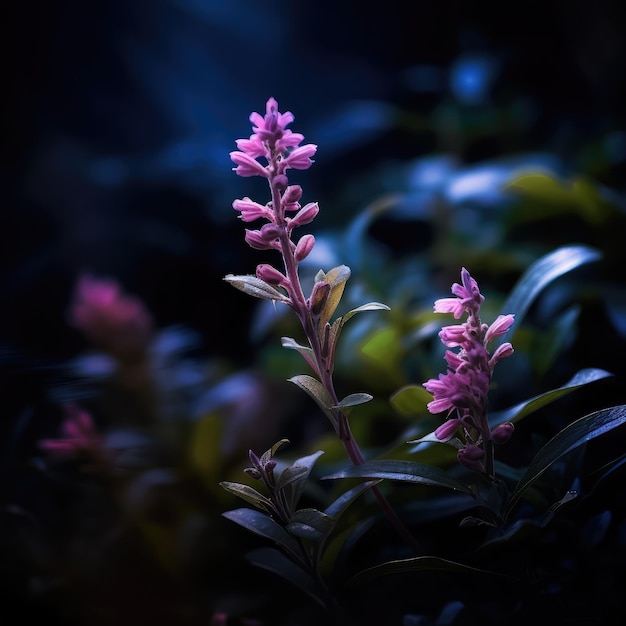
540, 274
576, 434
420, 563
317, 391
405, 471
256, 287
262, 525
370, 306
336, 509
249, 494
288, 342
431, 438
517, 412
274, 561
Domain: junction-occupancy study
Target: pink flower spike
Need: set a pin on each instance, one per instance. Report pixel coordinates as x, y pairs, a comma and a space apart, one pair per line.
446, 431
246, 165
499, 327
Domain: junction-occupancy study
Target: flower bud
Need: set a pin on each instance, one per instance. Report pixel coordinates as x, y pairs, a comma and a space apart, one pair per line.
446, 431
304, 247
270, 232
270, 274
470, 457
502, 433
291, 197
281, 181
305, 215
251, 210
255, 240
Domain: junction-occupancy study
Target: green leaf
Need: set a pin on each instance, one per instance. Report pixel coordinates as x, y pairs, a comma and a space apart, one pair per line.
336, 278
576, 434
274, 561
416, 564
310, 524
370, 306
249, 494
540, 274
256, 287
431, 438
293, 478
336, 509
517, 412
262, 525
268, 455
354, 399
405, 471
411, 400
317, 391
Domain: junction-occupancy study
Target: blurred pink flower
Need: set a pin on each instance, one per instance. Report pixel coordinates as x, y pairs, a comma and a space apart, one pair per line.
115, 322
79, 438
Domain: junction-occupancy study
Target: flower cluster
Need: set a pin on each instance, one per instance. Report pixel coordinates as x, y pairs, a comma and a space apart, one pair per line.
463, 390
280, 148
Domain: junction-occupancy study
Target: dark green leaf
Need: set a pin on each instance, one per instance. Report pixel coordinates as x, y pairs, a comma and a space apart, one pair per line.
262, 525
420, 563
293, 478
517, 412
317, 391
274, 561
310, 524
576, 434
541, 273
405, 471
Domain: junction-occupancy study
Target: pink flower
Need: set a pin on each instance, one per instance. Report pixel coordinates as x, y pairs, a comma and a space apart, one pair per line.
79, 438
499, 327
251, 211
465, 386
117, 323
247, 165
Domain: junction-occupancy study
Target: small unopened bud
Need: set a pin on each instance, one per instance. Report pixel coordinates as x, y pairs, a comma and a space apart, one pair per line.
270, 231
502, 433
252, 472
319, 295
255, 240
470, 456
270, 274
446, 431
281, 181
304, 247
291, 197
305, 215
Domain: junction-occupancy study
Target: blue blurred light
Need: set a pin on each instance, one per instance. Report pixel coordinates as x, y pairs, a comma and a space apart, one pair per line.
471, 78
